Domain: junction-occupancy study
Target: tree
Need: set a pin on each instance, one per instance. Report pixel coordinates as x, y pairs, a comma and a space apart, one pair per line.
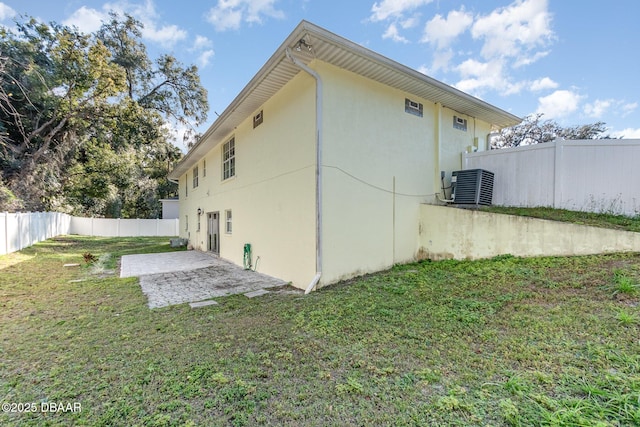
166, 87
534, 131
83, 118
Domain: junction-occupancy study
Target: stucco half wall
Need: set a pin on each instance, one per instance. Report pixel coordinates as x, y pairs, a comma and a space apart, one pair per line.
448, 232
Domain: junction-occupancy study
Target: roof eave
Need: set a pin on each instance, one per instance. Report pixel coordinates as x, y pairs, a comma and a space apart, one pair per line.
225, 123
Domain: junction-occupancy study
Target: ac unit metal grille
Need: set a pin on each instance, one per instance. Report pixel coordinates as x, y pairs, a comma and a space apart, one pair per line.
472, 187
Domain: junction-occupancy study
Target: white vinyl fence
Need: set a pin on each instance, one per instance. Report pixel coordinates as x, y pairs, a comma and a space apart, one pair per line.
600, 176
116, 227
21, 230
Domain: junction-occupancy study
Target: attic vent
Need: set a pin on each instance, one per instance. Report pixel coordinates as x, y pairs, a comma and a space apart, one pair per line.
472, 187
257, 119
460, 123
413, 107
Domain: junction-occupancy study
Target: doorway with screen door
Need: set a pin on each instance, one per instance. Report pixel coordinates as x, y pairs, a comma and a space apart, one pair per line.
213, 232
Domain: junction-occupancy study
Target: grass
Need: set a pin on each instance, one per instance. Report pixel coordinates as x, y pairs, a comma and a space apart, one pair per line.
605, 220
501, 342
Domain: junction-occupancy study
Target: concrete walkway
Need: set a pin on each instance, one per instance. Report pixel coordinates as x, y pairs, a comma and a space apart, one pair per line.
190, 276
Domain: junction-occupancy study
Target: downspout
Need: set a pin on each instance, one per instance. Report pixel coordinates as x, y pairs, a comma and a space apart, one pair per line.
316, 76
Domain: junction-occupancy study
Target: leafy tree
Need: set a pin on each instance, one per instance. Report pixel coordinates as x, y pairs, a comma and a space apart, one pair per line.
166, 86
83, 118
534, 131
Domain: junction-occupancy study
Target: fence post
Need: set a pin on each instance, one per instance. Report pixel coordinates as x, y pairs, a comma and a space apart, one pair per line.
6, 232
557, 172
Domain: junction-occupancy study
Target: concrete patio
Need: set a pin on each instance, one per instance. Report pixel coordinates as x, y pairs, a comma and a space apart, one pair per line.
190, 277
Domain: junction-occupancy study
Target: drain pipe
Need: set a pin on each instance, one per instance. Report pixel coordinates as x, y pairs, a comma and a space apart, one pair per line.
316, 76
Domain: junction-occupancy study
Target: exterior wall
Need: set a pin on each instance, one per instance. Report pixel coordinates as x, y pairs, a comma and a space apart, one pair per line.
370, 145
272, 196
592, 175
170, 208
448, 232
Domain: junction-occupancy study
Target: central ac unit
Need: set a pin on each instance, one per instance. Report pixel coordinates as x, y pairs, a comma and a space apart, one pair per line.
472, 187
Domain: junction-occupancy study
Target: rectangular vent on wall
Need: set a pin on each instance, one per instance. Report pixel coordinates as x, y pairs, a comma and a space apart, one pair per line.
460, 123
257, 119
413, 107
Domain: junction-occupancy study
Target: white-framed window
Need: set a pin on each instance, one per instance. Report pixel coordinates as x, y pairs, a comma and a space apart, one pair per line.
195, 176
228, 221
204, 168
229, 159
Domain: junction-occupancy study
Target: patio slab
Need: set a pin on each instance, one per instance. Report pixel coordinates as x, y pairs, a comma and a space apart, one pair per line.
175, 278
142, 264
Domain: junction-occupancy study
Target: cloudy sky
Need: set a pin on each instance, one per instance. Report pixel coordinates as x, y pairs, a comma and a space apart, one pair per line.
574, 62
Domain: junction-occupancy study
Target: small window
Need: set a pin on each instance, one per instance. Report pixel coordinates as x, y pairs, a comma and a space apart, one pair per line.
229, 159
186, 223
459, 123
195, 177
186, 185
228, 227
257, 119
204, 168
413, 107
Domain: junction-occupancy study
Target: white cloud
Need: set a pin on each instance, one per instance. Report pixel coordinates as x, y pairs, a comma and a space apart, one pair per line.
515, 30
441, 60
392, 33
86, 19
629, 108
628, 133
230, 14
394, 8
478, 76
167, 35
6, 12
410, 22
526, 60
542, 84
89, 20
201, 42
442, 31
598, 108
560, 103
205, 57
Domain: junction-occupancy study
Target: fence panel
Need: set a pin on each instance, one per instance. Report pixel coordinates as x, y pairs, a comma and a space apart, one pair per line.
21, 230
523, 176
586, 175
110, 227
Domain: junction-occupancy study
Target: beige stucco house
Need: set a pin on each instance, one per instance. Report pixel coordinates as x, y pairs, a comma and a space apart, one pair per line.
322, 161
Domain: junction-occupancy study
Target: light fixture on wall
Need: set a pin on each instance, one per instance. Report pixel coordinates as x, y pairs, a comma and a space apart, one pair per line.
199, 211
302, 43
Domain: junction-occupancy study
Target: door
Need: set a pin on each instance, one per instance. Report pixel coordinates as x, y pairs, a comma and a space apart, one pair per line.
213, 232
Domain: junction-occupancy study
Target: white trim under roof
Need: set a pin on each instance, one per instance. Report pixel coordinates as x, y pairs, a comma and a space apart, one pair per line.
340, 52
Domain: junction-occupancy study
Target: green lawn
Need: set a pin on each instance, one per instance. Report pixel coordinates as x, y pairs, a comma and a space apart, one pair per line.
605, 220
508, 341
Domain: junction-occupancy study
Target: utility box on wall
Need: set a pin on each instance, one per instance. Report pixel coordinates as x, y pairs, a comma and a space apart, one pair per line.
472, 187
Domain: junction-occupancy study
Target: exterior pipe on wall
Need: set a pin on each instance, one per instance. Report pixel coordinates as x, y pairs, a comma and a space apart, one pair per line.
316, 76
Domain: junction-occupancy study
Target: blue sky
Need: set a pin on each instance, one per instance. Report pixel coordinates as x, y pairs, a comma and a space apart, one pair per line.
574, 62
